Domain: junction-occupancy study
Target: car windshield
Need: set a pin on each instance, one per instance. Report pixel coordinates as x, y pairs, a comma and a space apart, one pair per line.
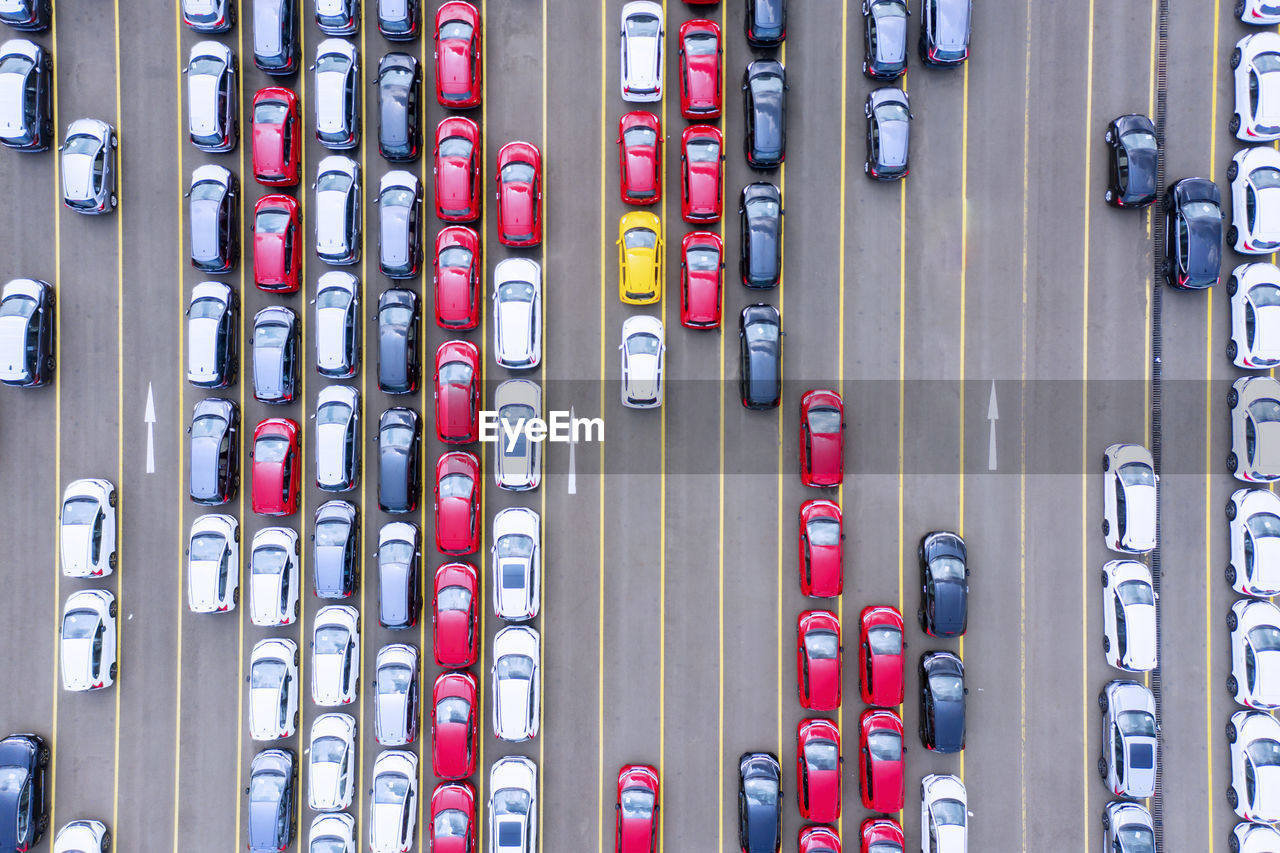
270, 450
1264, 524
79, 511
333, 182
1136, 474
456, 373
1136, 838
397, 76
332, 533
268, 561
824, 420
1265, 638
452, 710
947, 569
514, 545
332, 62
390, 788
889, 9
333, 413
510, 801
1201, 210
822, 645
270, 112
455, 30
454, 598
762, 792
822, 755
270, 335
333, 297
517, 173
1264, 752
208, 426
18, 306
947, 687
1264, 411
266, 674
767, 84
79, 625
1136, 723
398, 436
15, 64
640, 238
948, 813
331, 640
892, 112
882, 847
1140, 140
328, 749
455, 146
455, 256
885, 640
514, 666
762, 209
642, 26
761, 332
207, 191
327, 844
637, 802
515, 291
397, 551
702, 150
202, 65
456, 486
700, 44
885, 746
272, 221
1263, 296
1135, 592
206, 308
81, 143
702, 260
12, 778
395, 315
397, 197
643, 344
1265, 63
266, 787
450, 823
513, 414
394, 680
1265, 178
640, 136
207, 547
824, 532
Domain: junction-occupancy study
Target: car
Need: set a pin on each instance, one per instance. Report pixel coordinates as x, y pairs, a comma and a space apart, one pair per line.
1129, 616
701, 173
337, 94
337, 325
818, 660
335, 655
1255, 324
944, 814
519, 194
1255, 653
759, 803
395, 801
27, 332
24, 791
399, 324
331, 773
821, 549
1257, 104
883, 663
459, 56
818, 765
395, 690
1127, 828
517, 313
637, 808
458, 182
215, 219
1132, 152
517, 683
1254, 402
457, 392
1254, 174
642, 362
89, 166
639, 258
454, 732
337, 438
335, 563
1129, 499
213, 564
338, 210
513, 805
1260, 12
26, 96
517, 564
1129, 743
1253, 739
889, 117
273, 794
277, 142
1249, 837
213, 98
517, 462
338, 17
399, 111
457, 278
881, 761
1192, 234
399, 443
640, 157
944, 32
764, 85
1254, 520
87, 529
942, 702
884, 54
275, 36
642, 59
760, 220
275, 354
821, 438
399, 557
277, 243
455, 615
399, 225
273, 689
818, 839
209, 16
452, 823
457, 503
700, 58
277, 467
398, 19
27, 15
334, 832
760, 356
214, 473
944, 584
87, 646
274, 577
701, 275
82, 836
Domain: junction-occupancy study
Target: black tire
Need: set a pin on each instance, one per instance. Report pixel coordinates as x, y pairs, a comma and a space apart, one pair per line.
296, 718
111, 498
1233, 234
1232, 621
112, 671
1106, 462
1106, 644
1102, 767
297, 547
1236, 56
1233, 844
106, 841
112, 561
1109, 197
1234, 125
112, 609
1233, 169
237, 534
1106, 820
297, 656
1104, 577
1238, 9
1231, 510
1232, 350
1103, 704
1106, 527
1232, 286
297, 608
1233, 799
1230, 575
1232, 687
53, 299
50, 363
114, 201
44, 756
235, 596
1232, 463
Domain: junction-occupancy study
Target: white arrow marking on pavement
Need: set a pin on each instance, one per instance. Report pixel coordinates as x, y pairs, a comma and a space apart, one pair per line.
993, 415
150, 420
573, 471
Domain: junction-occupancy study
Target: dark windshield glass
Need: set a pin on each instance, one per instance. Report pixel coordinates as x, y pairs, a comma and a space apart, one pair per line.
271, 336
700, 44
270, 112
454, 598
885, 746
824, 532
207, 547
268, 561
1136, 592
885, 641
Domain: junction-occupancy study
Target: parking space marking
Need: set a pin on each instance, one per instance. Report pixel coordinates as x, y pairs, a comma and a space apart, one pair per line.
723, 124
120, 500
542, 491
365, 510
662, 488
481, 232
600, 524
840, 255
424, 366
57, 426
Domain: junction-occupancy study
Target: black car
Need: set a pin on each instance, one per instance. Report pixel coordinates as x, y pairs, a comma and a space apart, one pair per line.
1193, 234
765, 88
337, 549
400, 225
398, 19
399, 440
944, 31
944, 584
888, 134
24, 806
215, 451
942, 693
26, 333
1131, 168
398, 324
766, 22
885, 46
760, 217
215, 221
399, 592
273, 792
399, 93
275, 355
26, 111
760, 344
27, 15
275, 36
759, 803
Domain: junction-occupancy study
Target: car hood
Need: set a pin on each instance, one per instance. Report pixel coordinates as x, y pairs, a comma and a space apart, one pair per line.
1141, 534
268, 371
643, 379
77, 176
1206, 256
324, 783
327, 672
1141, 619
384, 819
1267, 461
330, 330
203, 338
204, 584
264, 708
891, 39
894, 139
13, 349
514, 330
455, 67
203, 89
75, 547
264, 595
329, 465
77, 664
640, 267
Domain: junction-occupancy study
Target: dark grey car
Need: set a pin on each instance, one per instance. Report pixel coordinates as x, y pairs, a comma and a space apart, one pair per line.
399, 322
399, 441
215, 451
337, 549
944, 32
765, 92
759, 802
275, 355
399, 98
399, 558
888, 115
273, 794
215, 223
885, 38
760, 354
26, 87
275, 36
942, 701
399, 224
398, 19
760, 217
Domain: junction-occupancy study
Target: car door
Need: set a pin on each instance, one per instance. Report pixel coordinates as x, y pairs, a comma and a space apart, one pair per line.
1117, 755
1120, 166
1122, 629
1122, 509
25, 817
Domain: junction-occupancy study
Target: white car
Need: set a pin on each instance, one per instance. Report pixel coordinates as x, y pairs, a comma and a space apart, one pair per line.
212, 335
516, 558
1254, 402
1129, 499
1127, 828
337, 325
88, 647
1254, 837
337, 438
944, 814
1253, 746
273, 689
213, 98
273, 577
642, 348
1254, 174
213, 564
331, 781
1255, 315
1128, 616
642, 51
1129, 731
1254, 61
89, 166
517, 683
87, 529
517, 311
83, 836
1254, 530
332, 833
1255, 653
395, 801
338, 210
335, 655
517, 466
337, 94
395, 695
513, 805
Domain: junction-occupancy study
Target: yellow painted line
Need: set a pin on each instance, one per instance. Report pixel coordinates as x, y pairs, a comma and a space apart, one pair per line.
844, 77
57, 420
180, 396
1087, 822
242, 704
426, 363
964, 270
662, 489
483, 608
542, 491
1210, 739
600, 523
366, 509
782, 254
1149, 215
722, 123
902, 381
1022, 436
120, 499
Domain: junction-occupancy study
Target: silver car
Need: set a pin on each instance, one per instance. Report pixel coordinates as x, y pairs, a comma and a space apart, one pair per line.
337, 438
516, 559
517, 462
275, 355
337, 189
1254, 791
89, 167
1127, 828
395, 691
1254, 402
274, 577
337, 94
400, 224
1255, 653
642, 59
517, 683
1255, 316
212, 335
338, 17
215, 220
513, 805
213, 98
26, 88
1129, 742
337, 325
1254, 530
517, 311
87, 528
275, 35
209, 16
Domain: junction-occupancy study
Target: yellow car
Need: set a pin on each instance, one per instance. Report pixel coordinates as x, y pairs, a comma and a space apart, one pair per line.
639, 258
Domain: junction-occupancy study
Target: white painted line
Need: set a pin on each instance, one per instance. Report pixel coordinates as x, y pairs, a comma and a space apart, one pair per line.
150, 420
993, 415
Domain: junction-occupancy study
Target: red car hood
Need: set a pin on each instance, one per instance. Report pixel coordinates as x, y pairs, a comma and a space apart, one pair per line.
451, 637
453, 299
268, 258
455, 67
455, 523
640, 169
517, 209
453, 411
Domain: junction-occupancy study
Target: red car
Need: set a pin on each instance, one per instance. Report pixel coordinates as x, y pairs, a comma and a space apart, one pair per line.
818, 770
882, 762
519, 194
276, 467
821, 439
637, 810
821, 839
457, 503
821, 549
700, 69
458, 65
277, 142
818, 660
883, 661
457, 170
453, 826
277, 246
640, 157
457, 278
881, 834
454, 733
457, 392
701, 274
455, 615
701, 174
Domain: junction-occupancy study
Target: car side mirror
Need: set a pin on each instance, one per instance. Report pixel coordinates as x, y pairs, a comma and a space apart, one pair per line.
966, 691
